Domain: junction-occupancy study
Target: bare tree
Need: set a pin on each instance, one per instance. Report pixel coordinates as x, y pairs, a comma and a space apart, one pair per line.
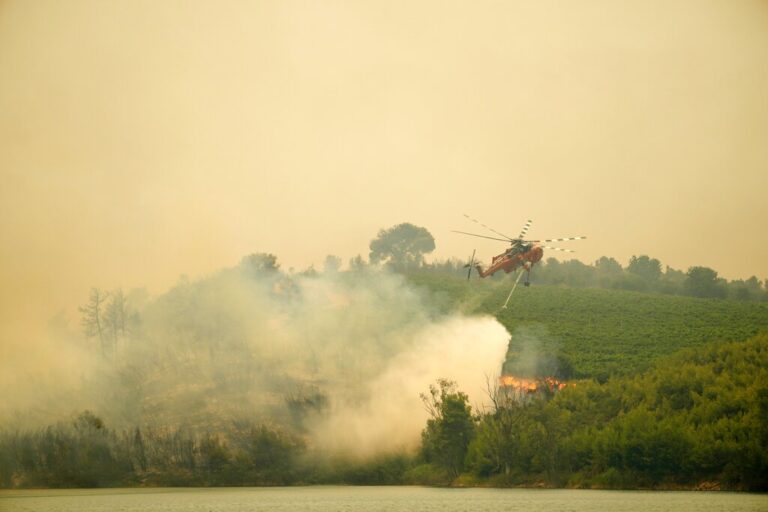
115, 314
501, 427
92, 320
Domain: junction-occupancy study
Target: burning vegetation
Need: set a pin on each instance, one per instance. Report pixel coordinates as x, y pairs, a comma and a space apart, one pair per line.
526, 386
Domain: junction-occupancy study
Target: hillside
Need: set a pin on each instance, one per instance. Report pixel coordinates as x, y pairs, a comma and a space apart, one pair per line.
244, 377
696, 419
597, 332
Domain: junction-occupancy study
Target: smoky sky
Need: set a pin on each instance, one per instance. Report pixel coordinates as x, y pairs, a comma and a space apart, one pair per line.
143, 140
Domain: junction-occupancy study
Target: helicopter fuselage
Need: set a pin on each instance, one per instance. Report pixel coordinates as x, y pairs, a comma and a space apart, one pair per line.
513, 258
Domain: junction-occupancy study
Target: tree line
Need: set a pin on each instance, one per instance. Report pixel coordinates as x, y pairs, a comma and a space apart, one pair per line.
642, 274
403, 248
697, 419
87, 453
698, 416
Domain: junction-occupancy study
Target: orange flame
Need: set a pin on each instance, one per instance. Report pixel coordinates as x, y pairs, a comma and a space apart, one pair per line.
519, 384
530, 385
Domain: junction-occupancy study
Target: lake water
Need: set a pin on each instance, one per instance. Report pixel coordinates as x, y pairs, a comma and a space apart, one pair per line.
405, 499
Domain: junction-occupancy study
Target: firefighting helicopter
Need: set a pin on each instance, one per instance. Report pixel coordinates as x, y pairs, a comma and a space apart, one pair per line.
521, 253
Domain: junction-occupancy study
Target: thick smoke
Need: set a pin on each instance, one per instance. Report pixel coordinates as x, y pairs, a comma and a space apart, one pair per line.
390, 415
340, 356
536, 353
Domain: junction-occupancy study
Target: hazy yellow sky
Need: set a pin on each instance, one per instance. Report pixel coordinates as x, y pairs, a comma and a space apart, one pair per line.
141, 140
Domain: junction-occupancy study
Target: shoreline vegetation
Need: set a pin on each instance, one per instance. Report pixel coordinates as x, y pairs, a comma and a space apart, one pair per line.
659, 394
696, 421
461, 484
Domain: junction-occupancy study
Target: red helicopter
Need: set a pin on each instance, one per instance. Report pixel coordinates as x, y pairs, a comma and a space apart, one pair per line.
521, 253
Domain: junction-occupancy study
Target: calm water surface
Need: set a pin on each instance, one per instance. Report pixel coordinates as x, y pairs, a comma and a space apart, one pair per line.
323, 499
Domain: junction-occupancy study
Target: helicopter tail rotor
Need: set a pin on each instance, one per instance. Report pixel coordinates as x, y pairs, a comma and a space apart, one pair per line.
469, 266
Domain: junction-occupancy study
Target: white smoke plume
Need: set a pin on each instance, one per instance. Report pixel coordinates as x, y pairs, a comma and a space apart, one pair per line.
391, 415
346, 354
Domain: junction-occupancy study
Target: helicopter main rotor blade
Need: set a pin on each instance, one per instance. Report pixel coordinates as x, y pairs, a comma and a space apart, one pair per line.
559, 239
486, 227
525, 229
481, 236
556, 248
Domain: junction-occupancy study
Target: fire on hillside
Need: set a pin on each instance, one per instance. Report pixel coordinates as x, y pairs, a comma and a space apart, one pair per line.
530, 386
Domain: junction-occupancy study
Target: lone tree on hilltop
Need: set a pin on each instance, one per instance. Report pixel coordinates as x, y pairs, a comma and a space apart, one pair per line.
402, 246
